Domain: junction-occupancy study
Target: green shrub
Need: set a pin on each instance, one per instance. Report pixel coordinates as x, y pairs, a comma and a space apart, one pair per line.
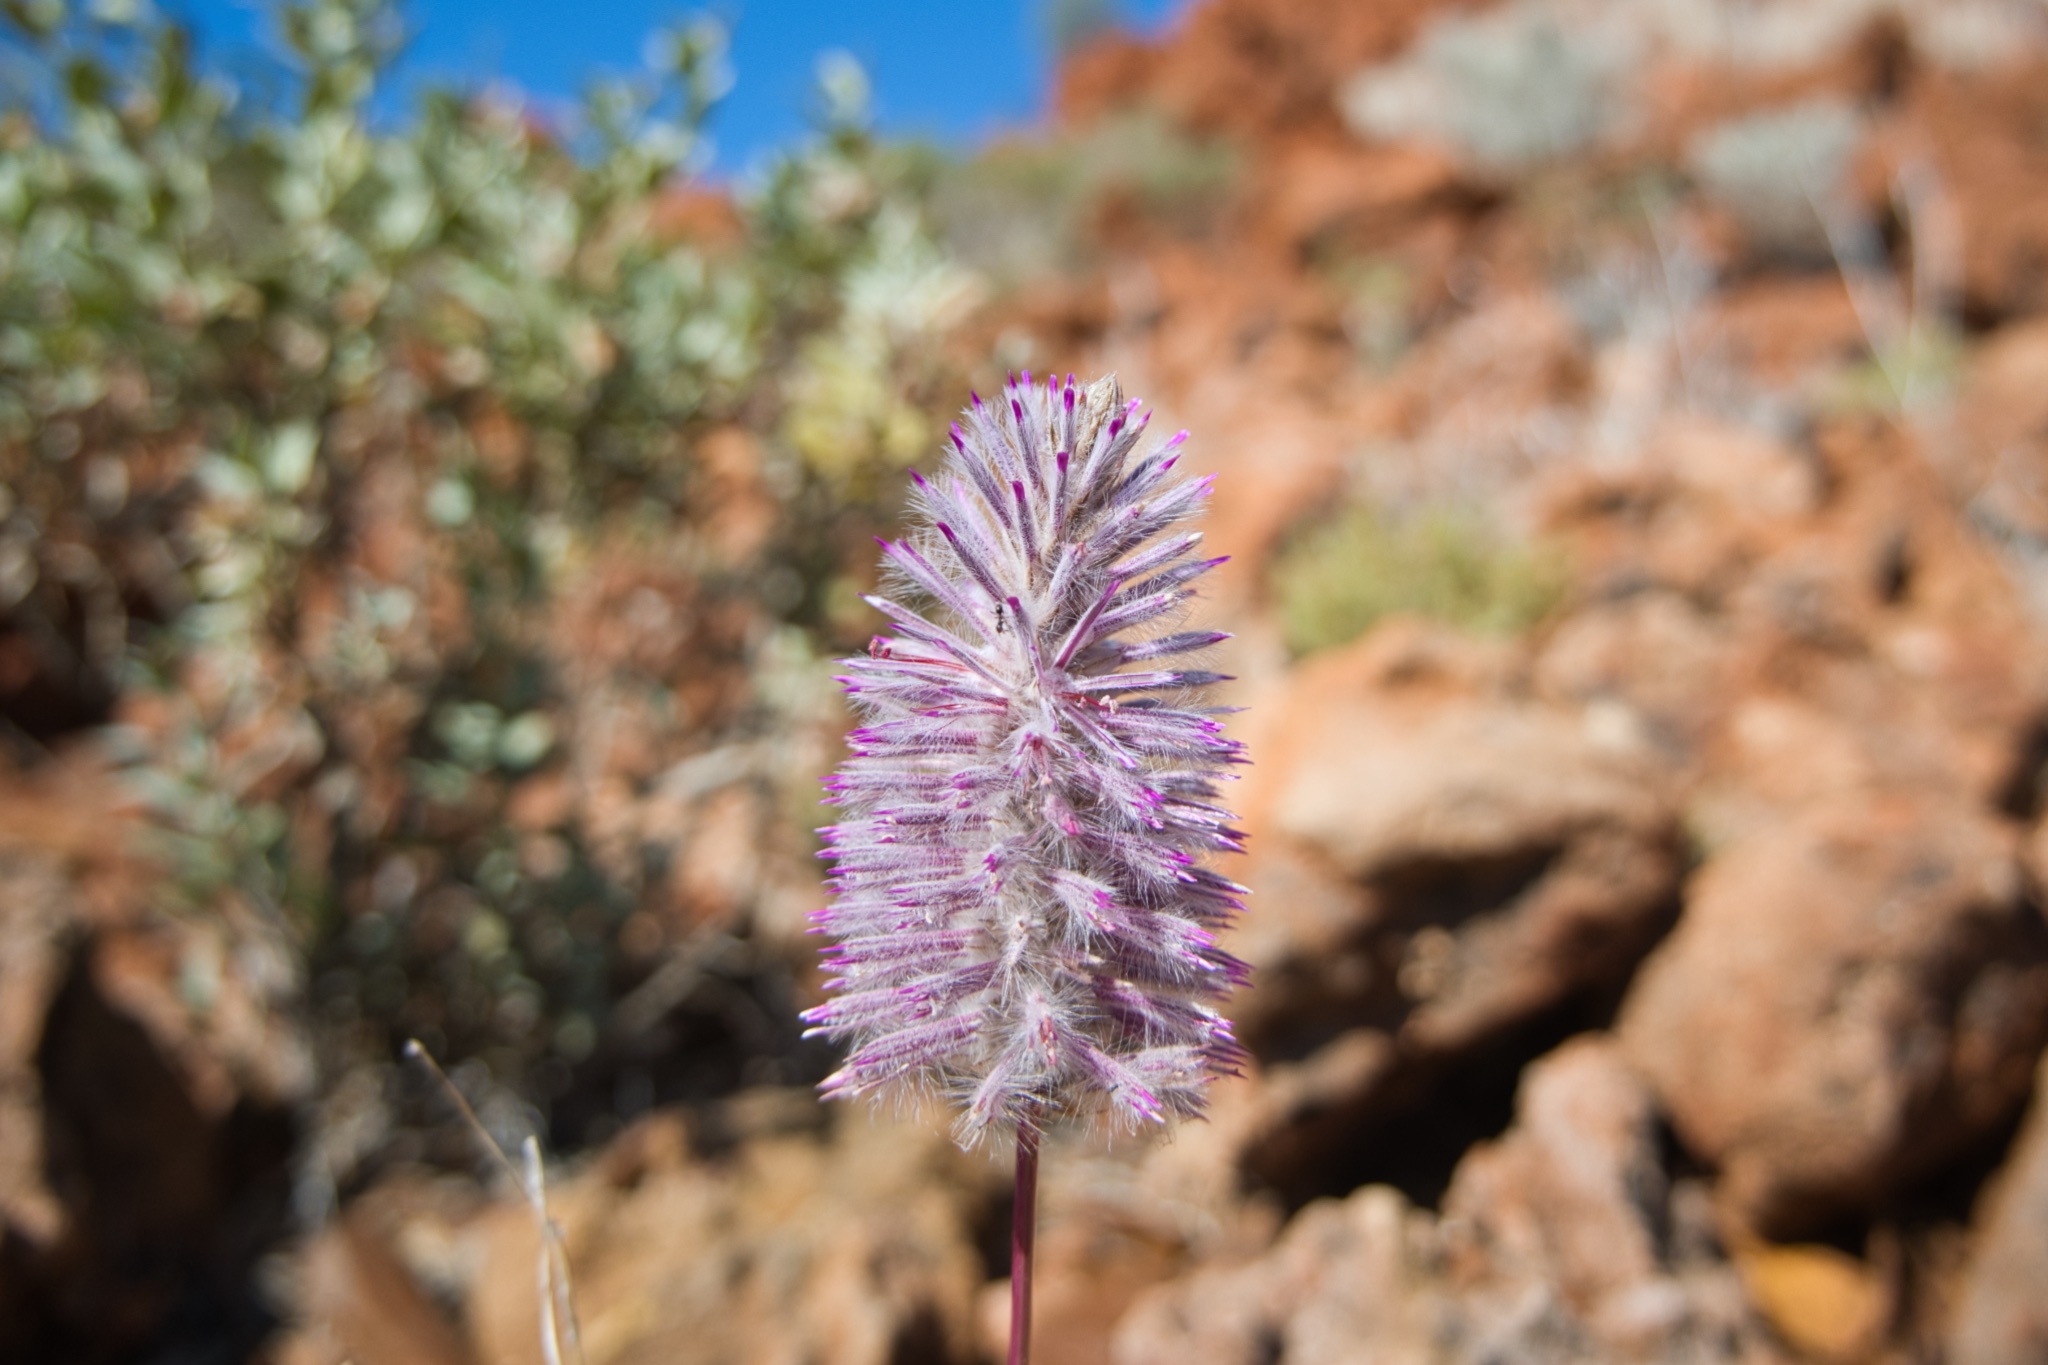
1507, 89
1070, 25
1339, 578
1376, 298
1021, 210
1776, 168
355, 471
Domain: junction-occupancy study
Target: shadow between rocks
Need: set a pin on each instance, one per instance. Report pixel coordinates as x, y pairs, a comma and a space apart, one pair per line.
167, 1209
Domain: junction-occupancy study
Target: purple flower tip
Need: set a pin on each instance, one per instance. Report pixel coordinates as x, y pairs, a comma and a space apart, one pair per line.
1018, 898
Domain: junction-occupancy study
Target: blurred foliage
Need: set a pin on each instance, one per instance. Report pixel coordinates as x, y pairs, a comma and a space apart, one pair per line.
1375, 295
1022, 210
1506, 89
361, 473
1923, 363
1070, 25
1779, 171
1339, 578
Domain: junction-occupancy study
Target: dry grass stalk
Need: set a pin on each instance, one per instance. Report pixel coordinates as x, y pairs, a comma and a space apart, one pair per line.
560, 1342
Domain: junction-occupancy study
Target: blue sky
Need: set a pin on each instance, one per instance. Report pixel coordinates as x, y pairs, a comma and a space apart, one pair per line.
956, 70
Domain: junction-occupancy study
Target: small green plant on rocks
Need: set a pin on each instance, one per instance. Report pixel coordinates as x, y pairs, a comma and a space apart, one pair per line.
1340, 578
354, 487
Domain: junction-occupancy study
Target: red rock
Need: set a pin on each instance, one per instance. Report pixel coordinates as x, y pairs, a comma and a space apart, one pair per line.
1438, 862
857, 1251
359, 1297
1575, 1191
1850, 997
1556, 1244
2002, 414
33, 890
1547, 857
697, 215
2000, 1316
1986, 149
1244, 66
1324, 190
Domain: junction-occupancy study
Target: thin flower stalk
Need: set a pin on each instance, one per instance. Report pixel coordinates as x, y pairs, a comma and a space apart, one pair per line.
1021, 918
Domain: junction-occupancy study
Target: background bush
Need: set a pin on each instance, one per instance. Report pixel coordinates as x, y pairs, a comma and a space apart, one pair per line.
405, 505
1341, 577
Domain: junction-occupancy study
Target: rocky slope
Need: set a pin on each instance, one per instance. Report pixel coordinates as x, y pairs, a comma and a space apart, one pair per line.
1664, 981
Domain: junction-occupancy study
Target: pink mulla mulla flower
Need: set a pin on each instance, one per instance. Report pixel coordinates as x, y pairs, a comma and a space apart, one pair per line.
1021, 920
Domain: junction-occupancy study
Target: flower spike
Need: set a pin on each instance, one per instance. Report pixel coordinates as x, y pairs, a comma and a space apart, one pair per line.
1020, 919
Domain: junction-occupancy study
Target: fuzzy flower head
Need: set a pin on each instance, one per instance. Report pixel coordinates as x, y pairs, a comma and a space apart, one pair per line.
1020, 918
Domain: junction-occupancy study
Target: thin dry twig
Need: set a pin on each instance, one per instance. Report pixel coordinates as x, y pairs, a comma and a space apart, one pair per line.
560, 1340
1899, 326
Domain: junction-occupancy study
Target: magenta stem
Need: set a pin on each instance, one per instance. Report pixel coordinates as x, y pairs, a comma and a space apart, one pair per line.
1023, 1233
